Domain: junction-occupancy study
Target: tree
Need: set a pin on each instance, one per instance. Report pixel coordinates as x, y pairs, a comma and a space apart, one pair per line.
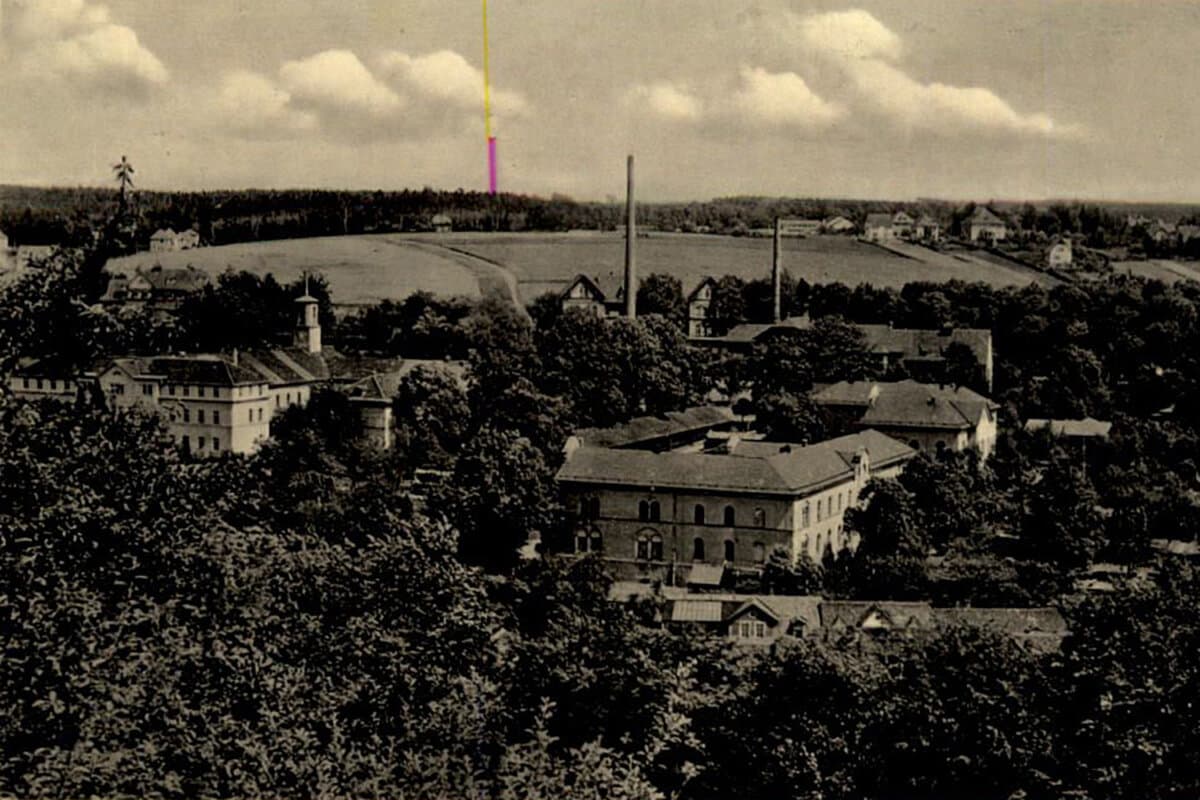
663, 295
123, 174
432, 416
728, 306
962, 368
790, 418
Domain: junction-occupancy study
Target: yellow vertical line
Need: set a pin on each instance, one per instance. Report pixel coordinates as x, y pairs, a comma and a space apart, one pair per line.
487, 80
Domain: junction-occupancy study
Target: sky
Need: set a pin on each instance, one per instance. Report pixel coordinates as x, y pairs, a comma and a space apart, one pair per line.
1022, 99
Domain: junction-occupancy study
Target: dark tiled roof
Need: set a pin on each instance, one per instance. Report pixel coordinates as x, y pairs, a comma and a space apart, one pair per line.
984, 216
642, 429
920, 342
210, 370
725, 607
287, 365
888, 614
175, 279
878, 221
798, 471
910, 404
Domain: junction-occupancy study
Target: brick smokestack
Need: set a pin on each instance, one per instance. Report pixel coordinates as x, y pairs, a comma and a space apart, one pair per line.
631, 283
776, 278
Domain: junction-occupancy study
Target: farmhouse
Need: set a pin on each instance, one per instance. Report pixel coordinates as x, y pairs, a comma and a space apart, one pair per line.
902, 225
699, 302
441, 223
165, 240
649, 512
603, 296
838, 225
983, 225
926, 416
878, 228
927, 229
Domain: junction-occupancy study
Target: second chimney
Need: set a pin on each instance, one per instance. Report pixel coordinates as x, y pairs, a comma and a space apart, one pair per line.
630, 237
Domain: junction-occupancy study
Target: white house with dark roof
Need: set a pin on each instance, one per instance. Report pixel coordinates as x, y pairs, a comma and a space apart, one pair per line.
602, 295
648, 509
984, 225
699, 303
878, 228
926, 416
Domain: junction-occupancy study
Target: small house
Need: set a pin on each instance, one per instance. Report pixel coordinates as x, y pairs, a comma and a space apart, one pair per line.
442, 223
983, 225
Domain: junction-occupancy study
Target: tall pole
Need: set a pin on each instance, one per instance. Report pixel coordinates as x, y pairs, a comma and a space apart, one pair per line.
776, 277
487, 108
630, 236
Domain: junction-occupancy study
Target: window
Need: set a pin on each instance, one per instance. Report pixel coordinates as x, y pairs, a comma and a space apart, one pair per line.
698, 514
216, 391
260, 414
147, 389
171, 390
654, 511
53, 385
819, 510
751, 629
39, 383
698, 549
25, 383
187, 415
200, 418
585, 507
216, 418
730, 518
216, 444
199, 442
289, 398
644, 511
581, 542
277, 398
760, 518
250, 415
187, 445
649, 546
597, 542
760, 552
804, 516
839, 501
729, 550
199, 391
187, 391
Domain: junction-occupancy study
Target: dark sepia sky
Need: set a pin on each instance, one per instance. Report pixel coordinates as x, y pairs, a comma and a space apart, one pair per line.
1017, 99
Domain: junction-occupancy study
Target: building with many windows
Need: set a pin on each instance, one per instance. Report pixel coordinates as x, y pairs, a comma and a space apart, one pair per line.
648, 510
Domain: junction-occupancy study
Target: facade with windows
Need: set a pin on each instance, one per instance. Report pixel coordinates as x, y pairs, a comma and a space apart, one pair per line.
733, 509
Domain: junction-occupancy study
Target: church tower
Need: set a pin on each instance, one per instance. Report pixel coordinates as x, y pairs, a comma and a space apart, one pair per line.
307, 335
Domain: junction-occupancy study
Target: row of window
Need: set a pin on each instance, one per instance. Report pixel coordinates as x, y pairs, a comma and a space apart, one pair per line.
751, 629
825, 508
651, 511
251, 415
649, 546
41, 384
212, 391
201, 443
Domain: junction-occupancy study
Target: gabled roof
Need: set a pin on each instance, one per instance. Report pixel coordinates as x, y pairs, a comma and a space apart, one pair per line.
163, 233
689, 607
606, 288
910, 404
927, 221
643, 429
984, 216
875, 615
917, 342
878, 221
174, 279
750, 331
707, 280
902, 218
796, 472
755, 605
282, 366
1086, 428
441, 219
196, 369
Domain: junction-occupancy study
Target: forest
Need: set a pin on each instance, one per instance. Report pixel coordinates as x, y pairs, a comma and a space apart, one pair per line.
303, 622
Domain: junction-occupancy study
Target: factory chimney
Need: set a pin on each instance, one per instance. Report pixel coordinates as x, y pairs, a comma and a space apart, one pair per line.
776, 278
631, 284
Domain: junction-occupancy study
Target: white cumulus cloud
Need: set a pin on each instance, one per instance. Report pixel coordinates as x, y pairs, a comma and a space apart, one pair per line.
781, 99
446, 76
252, 102
867, 52
337, 81
76, 41
667, 100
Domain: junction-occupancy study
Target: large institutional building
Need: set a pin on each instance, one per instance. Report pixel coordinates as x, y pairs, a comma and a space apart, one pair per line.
211, 404
654, 509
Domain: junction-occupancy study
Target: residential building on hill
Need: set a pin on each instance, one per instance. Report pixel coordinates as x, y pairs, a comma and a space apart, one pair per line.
985, 226
165, 240
157, 286
649, 511
603, 296
1061, 255
926, 416
699, 303
878, 228
927, 229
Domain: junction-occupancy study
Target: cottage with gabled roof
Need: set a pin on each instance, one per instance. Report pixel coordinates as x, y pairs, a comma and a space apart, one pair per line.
699, 302
926, 416
645, 510
983, 225
879, 228
603, 296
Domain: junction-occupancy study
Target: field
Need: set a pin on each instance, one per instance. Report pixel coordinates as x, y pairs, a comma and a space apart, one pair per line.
544, 262
366, 269
1163, 270
360, 269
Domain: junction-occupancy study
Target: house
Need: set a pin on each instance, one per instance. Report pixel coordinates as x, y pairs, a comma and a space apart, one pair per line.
699, 301
878, 228
1162, 232
603, 296
373, 397
187, 240
1060, 255
751, 620
926, 416
670, 431
441, 223
902, 225
212, 404
157, 286
927, 229
882, 617
838, 225
922, 351
985, 226
164, 240
645, 511
1187, 232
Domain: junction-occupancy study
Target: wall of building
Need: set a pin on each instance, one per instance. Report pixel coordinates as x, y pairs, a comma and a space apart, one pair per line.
26, 388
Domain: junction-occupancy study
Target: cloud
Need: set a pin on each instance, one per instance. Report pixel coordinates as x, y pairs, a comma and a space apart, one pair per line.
76, 43
254, 103
446, 76
335, 81
865, 51
781, 99
666, 100
853, 34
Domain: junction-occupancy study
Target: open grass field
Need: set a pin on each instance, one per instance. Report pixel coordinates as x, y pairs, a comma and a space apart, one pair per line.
544, 262
1163, 270
360, 269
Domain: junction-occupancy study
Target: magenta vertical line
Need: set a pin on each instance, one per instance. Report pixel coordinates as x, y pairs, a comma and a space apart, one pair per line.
492, 164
